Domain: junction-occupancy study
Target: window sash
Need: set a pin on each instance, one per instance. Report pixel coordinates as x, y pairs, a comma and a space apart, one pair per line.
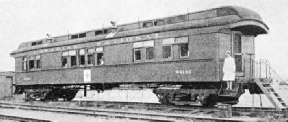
38, 64
149, 53
81, 52
168, 41
82, 59
100, 58
90, 59
148, 44
38, 57
182, 40
137, 54
237, 43
72, 52
64, 62
137, 44
184, 50
99, 49
24, 66
73, 61
143, 44
31, 57
158, 22
92, 50
167, 52
31, 65
66, 53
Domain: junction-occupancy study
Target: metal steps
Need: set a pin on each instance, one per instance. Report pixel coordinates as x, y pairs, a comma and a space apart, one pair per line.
272, 95
230, 93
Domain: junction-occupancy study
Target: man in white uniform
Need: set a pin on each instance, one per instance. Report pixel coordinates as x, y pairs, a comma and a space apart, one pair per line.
229, 70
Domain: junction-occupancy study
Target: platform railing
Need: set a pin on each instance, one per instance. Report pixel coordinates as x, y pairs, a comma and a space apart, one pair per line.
261, 69
272, 73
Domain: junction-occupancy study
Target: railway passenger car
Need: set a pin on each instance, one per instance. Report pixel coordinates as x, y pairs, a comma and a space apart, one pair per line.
180, 57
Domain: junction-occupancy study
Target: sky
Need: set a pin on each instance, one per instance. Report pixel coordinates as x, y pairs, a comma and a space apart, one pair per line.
28, 20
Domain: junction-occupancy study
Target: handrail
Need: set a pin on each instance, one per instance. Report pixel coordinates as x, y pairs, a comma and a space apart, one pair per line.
271, 69
256, 69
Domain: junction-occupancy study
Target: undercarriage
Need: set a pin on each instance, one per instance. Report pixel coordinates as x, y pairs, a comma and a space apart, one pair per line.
205, 94
196, 93
48, 93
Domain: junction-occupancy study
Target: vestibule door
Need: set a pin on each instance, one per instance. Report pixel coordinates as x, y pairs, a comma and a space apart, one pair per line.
237, 52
